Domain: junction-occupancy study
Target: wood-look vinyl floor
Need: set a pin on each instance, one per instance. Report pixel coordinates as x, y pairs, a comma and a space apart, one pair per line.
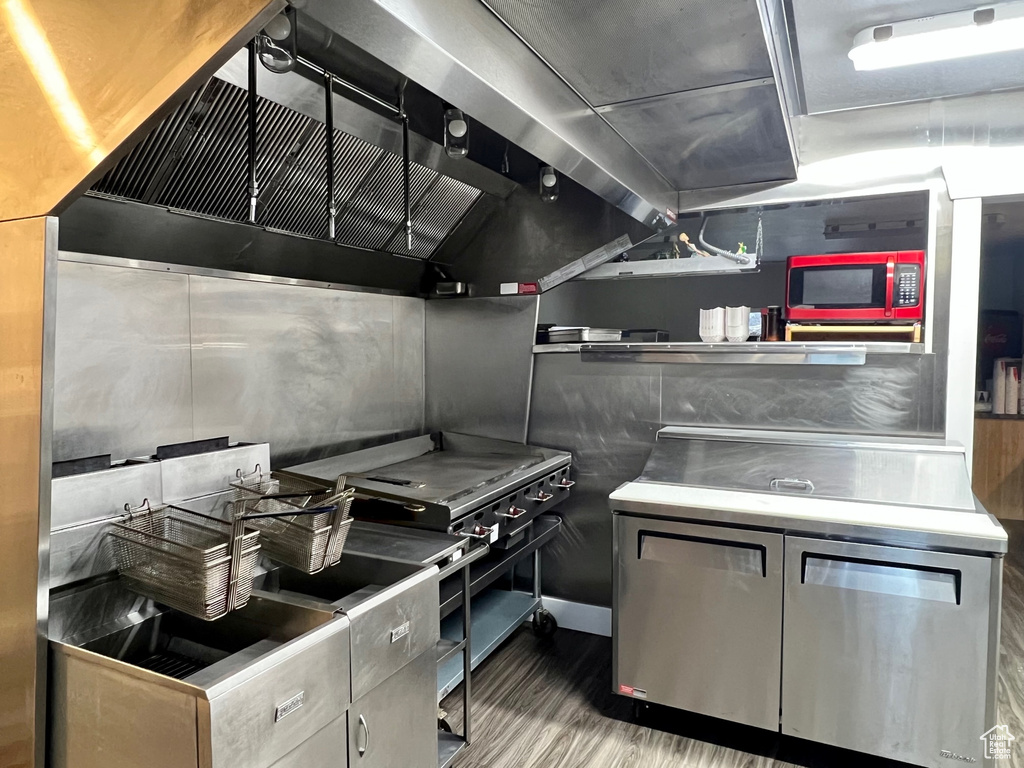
548, 703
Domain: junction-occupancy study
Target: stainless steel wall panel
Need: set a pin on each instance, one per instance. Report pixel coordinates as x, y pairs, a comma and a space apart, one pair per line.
606, 415
612, 52
122, 380
479, 362
302, 368
408, 345
886, 396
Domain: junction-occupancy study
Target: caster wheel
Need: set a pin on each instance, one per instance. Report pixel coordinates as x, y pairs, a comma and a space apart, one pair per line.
544, 624
442, 725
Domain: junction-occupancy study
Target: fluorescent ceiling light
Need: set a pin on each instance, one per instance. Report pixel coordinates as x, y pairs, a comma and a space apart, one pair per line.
990, 29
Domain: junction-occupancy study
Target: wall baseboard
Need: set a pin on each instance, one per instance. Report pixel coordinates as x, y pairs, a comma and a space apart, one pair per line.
593, 619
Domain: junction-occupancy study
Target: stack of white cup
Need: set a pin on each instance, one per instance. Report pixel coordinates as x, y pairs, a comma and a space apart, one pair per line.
712, 324
721, 323
737, 323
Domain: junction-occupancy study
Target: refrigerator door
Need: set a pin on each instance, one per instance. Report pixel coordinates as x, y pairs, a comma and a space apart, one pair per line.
697, 618
888, 651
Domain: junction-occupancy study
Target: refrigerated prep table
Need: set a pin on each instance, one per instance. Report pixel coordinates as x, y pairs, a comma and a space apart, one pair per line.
842, 589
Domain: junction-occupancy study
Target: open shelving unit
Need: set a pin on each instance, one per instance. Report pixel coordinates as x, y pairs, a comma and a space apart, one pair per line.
752, 352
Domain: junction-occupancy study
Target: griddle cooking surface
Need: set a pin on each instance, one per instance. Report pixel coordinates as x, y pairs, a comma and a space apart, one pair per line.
444, 476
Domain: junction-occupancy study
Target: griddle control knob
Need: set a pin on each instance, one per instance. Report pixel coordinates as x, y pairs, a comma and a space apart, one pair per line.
542, 496
513, 512
565, 482
477, 532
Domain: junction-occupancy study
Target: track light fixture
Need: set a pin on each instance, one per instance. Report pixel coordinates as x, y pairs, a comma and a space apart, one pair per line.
456, 132
991, 29
548, 184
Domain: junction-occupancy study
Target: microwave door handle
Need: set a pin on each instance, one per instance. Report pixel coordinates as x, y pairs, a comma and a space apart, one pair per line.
890, 276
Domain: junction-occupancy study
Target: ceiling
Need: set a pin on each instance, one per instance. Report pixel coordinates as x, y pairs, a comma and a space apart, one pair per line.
824, 31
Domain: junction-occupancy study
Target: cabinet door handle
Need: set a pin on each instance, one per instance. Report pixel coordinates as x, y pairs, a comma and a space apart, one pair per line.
905, 580
791, 484
363, 737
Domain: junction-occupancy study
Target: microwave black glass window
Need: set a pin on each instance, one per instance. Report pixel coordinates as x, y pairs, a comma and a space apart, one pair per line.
839, 287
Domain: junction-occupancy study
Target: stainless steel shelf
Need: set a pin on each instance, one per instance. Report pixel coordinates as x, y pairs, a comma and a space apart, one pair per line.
759, 352
495, 615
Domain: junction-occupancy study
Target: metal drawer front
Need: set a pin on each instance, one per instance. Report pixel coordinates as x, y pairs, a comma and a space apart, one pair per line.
395, 724
392, 628
325, 749
886, 650
262, 719
698, 618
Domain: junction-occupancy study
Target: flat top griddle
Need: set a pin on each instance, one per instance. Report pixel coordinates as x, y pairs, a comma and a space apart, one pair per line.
447, 473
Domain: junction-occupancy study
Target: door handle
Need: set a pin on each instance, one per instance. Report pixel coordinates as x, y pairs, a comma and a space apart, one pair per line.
363, 736
791, 484
890, 272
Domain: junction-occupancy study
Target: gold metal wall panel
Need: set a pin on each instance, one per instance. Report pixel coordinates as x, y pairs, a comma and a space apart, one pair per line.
28, 257
80, 79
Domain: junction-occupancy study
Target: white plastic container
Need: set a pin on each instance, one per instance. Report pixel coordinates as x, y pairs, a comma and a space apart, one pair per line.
737, 323
712, 324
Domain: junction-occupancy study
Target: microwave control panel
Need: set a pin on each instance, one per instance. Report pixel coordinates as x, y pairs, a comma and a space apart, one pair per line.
908, 285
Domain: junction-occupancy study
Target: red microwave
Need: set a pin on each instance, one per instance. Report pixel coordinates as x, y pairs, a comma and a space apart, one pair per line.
856, 287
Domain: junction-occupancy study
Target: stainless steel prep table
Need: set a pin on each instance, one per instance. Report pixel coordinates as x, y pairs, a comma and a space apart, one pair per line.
851, 584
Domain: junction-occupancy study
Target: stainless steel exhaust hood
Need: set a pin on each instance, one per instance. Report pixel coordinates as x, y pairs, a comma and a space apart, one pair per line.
195, 160
635, 101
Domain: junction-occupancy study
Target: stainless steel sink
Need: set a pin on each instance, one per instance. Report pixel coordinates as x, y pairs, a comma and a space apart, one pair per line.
267, 685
